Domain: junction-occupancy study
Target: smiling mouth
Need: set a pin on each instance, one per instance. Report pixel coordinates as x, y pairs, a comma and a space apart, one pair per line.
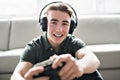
58, 35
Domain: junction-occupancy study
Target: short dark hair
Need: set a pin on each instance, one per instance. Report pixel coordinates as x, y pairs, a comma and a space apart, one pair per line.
60, 7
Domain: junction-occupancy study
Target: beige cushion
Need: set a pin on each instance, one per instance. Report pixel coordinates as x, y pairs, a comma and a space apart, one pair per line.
4, 33
22, 31
109, 55
113, 74
9, 60
99, 29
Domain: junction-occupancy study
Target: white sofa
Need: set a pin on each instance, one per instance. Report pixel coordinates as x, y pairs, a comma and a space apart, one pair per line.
101, 33
14, 34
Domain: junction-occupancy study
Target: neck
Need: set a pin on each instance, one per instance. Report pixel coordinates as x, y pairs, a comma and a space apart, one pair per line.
55, 47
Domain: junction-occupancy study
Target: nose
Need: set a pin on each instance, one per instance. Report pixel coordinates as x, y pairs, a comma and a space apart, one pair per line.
59, 28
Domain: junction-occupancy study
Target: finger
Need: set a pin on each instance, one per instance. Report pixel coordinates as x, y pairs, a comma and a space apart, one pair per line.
79, 73
37, 70
72, 76
67, 75
33, 71
65, 70
71, 64
60, 59
54, 56
42, 78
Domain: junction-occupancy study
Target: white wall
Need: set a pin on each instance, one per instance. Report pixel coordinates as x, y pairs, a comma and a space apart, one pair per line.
82, 7
18, 7
89, 6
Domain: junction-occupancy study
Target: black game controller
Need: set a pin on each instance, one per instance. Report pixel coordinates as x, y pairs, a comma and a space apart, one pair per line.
48, 70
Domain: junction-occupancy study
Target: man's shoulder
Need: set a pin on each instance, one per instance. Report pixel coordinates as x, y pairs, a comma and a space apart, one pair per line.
36, 41
75, 39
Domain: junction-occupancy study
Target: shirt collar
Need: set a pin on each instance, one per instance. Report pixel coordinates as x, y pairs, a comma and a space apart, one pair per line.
46, 42
48, 45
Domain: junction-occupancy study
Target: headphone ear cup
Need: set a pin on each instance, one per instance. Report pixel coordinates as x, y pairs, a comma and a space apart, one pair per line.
72, 26
43, 23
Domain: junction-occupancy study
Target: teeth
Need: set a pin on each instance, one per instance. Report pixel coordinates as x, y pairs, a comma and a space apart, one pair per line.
58, 35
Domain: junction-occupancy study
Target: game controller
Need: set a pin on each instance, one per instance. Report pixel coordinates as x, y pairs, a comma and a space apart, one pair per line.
48, 70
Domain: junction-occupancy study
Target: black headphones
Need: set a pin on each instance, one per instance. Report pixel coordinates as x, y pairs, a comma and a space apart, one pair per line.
43, 20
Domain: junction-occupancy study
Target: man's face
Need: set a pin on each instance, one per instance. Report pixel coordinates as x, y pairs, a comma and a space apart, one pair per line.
58, 26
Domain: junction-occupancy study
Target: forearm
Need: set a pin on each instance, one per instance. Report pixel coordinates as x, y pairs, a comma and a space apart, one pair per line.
88, 61
89, 65
16, 76
21, 69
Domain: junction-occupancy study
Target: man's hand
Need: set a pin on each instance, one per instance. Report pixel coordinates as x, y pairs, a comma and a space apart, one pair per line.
31, 72
71, 69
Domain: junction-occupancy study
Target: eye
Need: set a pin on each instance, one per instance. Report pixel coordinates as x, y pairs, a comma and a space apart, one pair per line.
53, 22
65, 24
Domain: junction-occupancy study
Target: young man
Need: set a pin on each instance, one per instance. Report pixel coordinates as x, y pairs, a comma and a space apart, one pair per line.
59, 44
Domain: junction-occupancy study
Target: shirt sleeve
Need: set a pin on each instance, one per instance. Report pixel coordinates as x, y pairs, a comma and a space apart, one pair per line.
29, 54
76, 44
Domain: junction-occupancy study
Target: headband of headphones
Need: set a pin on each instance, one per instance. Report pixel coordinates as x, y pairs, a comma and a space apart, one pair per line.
43, 20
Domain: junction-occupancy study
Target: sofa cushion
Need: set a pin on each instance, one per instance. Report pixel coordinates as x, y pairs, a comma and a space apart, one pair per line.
5, 76
22, 31
9, 60
99, 29
110, 74
109, 55
4, 33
